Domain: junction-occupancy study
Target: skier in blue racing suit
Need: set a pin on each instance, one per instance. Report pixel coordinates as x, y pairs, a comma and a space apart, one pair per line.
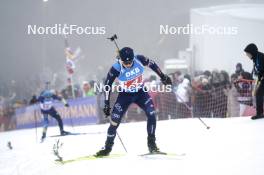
46, 100
129, 71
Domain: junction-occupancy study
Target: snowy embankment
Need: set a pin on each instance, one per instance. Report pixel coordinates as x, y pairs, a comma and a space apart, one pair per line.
232, 146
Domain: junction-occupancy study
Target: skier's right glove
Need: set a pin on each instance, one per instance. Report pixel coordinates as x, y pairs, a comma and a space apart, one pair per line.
166, 80
107, 110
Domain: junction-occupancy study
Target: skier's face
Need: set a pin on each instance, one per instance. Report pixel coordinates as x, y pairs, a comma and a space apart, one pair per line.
249, 55
127, 64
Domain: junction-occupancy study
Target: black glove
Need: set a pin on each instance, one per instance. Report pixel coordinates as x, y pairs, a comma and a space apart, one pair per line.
166, 80
66, 105
107, 110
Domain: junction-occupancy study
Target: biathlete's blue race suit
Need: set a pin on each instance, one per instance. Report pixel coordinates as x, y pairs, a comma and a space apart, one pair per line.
46, 100
131, 83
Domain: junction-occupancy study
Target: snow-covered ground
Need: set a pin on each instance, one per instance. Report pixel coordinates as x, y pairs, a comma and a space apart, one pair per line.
233, 146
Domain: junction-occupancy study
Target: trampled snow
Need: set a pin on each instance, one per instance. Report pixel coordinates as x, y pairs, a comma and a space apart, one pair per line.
233, 146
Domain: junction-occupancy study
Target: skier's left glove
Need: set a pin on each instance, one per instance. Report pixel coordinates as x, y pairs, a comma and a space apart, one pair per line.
66, 104
107, 110
166, 80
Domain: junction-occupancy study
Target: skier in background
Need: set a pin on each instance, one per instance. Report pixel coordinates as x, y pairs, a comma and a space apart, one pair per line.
46, 99
129, 71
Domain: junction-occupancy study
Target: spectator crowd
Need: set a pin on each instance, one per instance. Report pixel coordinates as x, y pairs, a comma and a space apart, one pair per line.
206, 94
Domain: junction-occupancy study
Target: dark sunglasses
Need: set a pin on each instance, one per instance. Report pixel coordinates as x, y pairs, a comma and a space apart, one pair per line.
127, 62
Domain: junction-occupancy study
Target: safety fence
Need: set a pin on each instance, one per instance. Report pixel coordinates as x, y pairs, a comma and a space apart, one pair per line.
217, 101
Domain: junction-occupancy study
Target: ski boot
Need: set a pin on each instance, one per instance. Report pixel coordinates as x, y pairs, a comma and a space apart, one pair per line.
43, 137
105, 151
63, 133
152, 144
